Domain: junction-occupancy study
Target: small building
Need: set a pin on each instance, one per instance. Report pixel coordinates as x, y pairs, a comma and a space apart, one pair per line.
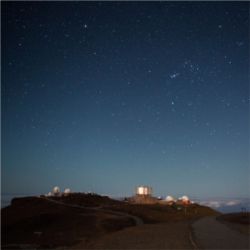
144, 190
143, 195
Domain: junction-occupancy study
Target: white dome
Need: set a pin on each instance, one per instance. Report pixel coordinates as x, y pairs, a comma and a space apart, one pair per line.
67, 191
185, 198
49, 194
169, 198
56, 190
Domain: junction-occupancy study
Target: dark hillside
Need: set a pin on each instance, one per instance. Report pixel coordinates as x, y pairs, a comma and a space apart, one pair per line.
34, 222
87, 200
42, 222
165, 213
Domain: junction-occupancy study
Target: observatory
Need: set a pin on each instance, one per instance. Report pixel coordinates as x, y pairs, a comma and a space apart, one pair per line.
66, 192
143, 195
184, 200
170, 199
56, 191
144, 190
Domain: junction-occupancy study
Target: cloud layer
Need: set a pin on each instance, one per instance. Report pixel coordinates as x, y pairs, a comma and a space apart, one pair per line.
227, 205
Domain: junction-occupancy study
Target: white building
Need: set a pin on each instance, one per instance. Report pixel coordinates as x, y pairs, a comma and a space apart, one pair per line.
56, 191
67, 192
170, 199
144, 190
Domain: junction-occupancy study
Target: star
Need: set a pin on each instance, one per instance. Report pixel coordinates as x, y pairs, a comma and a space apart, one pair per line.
85, 26
174, 75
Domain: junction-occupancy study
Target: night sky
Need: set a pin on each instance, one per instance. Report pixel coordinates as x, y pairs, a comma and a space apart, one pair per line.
105, 96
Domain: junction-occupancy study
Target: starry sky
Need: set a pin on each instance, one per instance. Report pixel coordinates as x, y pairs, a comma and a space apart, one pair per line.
105, 96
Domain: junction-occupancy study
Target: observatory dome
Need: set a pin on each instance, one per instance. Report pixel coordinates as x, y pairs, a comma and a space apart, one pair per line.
67, 191
185, 198
56, 190
169, 198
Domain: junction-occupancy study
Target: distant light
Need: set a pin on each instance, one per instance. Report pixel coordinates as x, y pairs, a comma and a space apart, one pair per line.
174, 75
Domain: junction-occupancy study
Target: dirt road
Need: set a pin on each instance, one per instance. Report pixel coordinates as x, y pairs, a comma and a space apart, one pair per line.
154, 236
212, 234
208, 233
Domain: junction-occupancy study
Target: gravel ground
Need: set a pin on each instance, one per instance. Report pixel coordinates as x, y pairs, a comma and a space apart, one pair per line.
212, 234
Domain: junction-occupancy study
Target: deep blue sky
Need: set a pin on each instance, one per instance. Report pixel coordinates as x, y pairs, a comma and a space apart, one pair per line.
104, 96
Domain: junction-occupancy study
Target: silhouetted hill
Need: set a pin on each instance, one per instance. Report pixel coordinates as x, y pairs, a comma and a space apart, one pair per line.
42, 222
87, 200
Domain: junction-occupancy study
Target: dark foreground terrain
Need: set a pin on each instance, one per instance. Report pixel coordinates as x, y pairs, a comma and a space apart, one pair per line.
93, 221
229, 231
242, 218
237, 221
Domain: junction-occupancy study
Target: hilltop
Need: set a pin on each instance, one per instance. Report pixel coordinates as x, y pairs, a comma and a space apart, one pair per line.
50, 222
